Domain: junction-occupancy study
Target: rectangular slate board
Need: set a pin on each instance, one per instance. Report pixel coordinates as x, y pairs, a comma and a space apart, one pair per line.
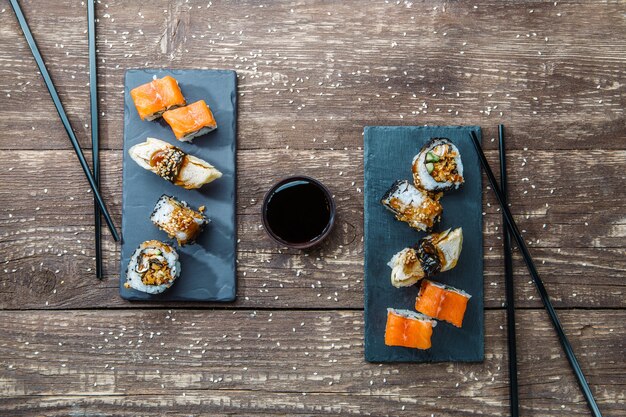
389, 152
208, 271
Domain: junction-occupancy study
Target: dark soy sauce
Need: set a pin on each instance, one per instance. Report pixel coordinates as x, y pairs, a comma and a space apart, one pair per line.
298, 211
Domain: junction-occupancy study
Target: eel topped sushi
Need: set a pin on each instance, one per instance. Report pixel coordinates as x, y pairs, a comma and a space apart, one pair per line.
153, 267
190, 121
157, 96
172, 164
408, 329
437, 252
442, 302
438, 166
178, 220
413, 206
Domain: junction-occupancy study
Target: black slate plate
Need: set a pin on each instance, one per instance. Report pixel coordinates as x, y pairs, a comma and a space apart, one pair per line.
208, 271
389, 152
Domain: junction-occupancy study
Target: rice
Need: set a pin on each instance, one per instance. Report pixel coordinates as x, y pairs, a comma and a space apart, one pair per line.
411, 205
413, 315
148, 256
424, 179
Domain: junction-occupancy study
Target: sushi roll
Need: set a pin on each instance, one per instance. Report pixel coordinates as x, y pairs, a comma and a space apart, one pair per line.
438, 252
408, 329
413, 206
153, 267
177, 219
438, 166
172, 164
442, 302
157, 96
190, 121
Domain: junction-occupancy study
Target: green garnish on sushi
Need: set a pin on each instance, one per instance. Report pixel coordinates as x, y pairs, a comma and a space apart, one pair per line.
438, 166
431, 157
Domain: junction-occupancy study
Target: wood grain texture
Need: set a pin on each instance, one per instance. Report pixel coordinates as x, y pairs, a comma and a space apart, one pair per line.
199, 361
46, 250
313, 73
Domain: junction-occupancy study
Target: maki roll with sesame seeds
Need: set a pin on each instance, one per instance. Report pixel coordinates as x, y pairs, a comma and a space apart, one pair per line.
178, 220
438, 166
172, 164
153, 267
411, 205
438, 252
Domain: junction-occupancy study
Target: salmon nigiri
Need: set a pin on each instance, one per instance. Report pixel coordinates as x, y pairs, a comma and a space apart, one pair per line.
442, 302
408, 329
157, 96
190, 121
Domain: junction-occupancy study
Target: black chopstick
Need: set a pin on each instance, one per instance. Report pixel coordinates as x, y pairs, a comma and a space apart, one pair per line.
508, 281
66, 123
95, 147
569, 352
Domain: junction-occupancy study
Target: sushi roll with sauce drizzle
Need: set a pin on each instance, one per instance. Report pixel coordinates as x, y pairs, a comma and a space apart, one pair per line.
438, 166
408, 329
413, 206
178, 220
172, 164
438, 252
442, 302
153, 267
157, 96
190, 121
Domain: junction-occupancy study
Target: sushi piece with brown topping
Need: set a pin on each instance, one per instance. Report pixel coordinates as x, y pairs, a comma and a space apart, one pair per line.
153, 267
417, 208
178, 220
172, 164
438, 166
437, 252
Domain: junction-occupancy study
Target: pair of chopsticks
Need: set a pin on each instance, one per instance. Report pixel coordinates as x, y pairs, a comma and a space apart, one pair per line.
514, 231
93, 179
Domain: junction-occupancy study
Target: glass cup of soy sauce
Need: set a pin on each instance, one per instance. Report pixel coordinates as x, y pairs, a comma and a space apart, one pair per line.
298, 212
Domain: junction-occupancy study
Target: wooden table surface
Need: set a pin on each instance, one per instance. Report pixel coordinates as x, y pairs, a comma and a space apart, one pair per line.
311, 75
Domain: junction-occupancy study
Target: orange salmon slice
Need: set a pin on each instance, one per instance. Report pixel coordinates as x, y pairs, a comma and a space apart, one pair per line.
157, 96
189, 120
408, 332
443, 303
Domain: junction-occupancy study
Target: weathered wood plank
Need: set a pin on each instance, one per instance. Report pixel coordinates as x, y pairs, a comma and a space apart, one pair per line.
46, 244
264, 361
66, 282
313, 74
